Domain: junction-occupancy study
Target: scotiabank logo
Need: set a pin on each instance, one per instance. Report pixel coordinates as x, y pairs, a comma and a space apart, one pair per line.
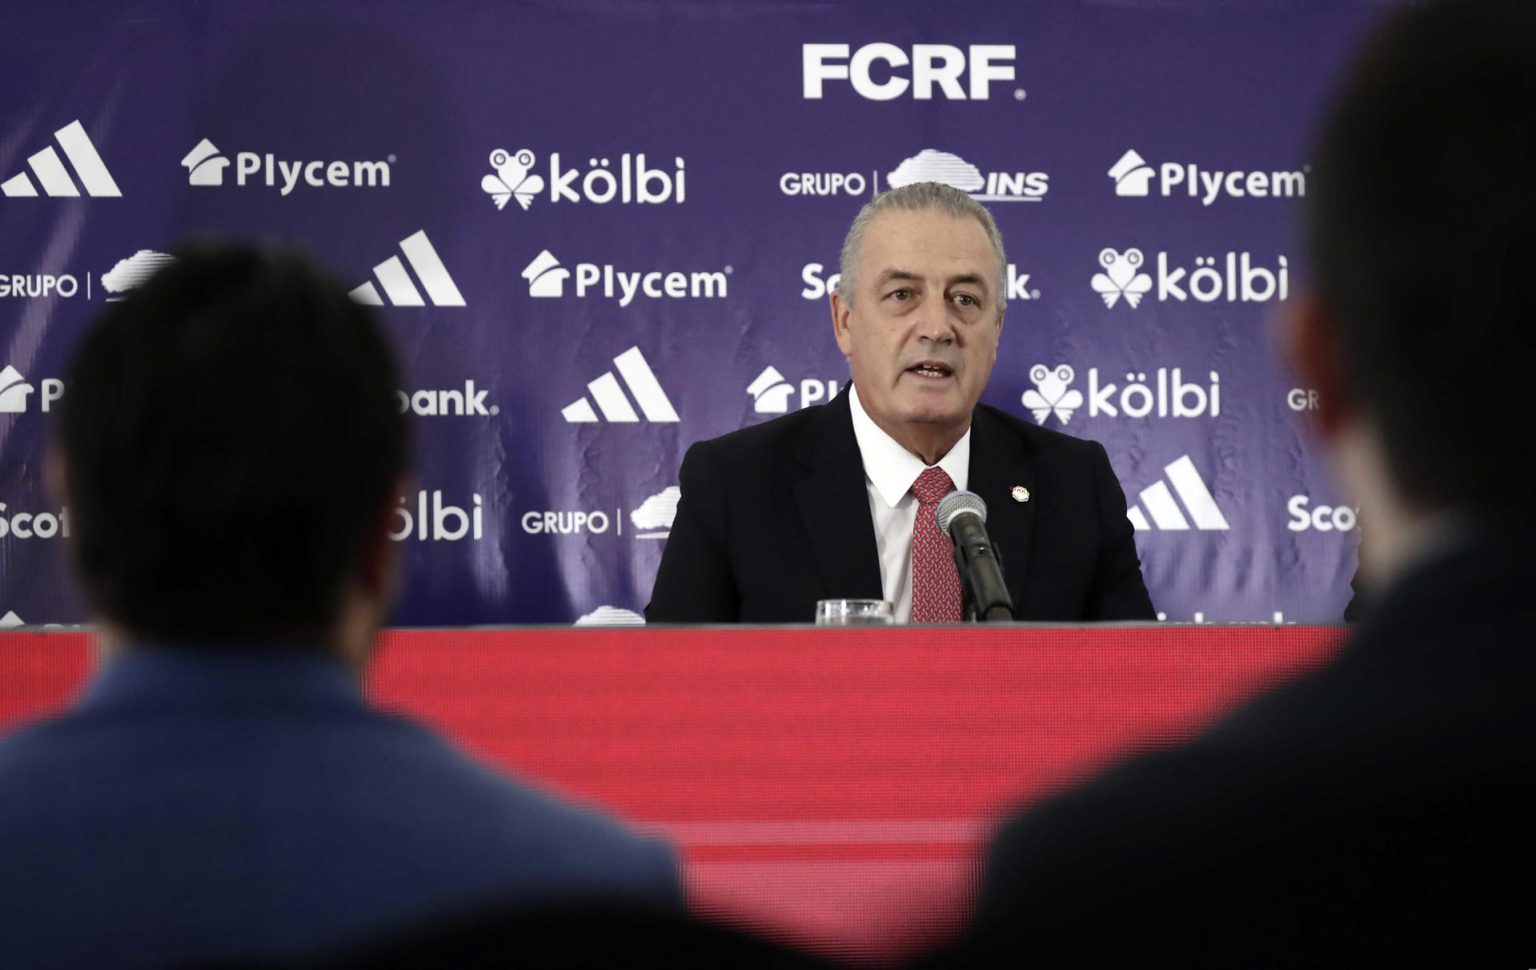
1232, 278
33, 525
448, 402
819, 284
1306, 517
884, 72
426, 517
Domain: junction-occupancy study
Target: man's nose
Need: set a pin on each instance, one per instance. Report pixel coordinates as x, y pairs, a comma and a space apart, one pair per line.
933, 322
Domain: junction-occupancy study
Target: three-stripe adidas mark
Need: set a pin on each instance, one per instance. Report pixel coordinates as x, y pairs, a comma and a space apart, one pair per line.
610, 397
51, 172
1191, 488
399, 288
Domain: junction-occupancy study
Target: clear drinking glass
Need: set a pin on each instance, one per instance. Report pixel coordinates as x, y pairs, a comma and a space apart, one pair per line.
855, 613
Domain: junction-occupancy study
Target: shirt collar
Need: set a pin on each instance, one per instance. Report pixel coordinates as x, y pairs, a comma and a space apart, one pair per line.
223, 677
891, 468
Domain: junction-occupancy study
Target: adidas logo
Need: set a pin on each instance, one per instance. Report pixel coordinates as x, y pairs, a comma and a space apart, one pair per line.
397, 284
1158, 500
50, 171
610, 397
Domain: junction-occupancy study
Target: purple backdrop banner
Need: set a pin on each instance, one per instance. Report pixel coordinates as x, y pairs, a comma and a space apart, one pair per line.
599, 232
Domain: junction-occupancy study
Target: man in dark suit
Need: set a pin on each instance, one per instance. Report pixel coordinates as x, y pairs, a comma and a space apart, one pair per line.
232, 452
838, 501
1378, 812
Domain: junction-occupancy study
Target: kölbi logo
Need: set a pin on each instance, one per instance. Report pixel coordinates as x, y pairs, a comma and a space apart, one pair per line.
1134, 178
632, 180
1232, 279
54, 175
953, 73
1160, 504
771, 391
610, 398
432, 521
1165, 395
546, 279
205, 166
430, 271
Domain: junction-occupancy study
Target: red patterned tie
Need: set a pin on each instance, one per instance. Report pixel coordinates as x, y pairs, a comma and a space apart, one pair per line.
935, 583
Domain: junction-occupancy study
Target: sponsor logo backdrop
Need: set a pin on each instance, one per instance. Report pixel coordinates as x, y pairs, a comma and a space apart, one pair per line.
597, 235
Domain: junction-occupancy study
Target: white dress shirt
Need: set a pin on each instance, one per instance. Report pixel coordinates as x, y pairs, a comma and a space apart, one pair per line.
889, 471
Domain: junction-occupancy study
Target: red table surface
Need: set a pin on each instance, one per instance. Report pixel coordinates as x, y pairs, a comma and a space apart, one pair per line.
830, 787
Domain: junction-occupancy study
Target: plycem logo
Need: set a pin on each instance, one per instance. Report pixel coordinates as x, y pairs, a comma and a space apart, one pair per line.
819, 286
1165, 395
610, 397
1230, 279
771, 391
932, 165
656, 514
205, 166
546, 279
631, 181
54, 176
1304, 517
1166, 515
950, 72
15, 391
391, 274
1134, 178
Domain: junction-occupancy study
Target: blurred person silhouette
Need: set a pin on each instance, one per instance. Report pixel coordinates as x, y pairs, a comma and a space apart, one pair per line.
231, 451
1379, 808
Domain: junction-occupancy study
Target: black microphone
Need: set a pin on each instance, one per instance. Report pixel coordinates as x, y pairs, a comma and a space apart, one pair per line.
963, 515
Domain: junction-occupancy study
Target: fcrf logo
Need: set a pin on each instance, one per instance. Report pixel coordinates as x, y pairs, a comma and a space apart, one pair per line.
933, 67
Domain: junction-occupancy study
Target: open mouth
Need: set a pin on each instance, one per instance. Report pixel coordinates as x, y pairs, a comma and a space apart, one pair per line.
931, 369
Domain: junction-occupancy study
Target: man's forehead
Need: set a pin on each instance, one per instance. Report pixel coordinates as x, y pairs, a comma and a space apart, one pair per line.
927, 241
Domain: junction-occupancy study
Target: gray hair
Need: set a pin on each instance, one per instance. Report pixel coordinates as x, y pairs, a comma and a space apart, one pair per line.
919, 197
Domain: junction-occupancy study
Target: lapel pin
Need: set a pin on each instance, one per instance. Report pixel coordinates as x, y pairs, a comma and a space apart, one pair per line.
1020, 493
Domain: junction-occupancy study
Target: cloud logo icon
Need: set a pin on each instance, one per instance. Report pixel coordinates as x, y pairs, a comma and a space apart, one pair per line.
932, 165
611, 616
657, 512
133, 271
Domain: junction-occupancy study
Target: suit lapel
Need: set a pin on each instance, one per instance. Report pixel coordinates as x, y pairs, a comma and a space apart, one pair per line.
835, 506
999, 464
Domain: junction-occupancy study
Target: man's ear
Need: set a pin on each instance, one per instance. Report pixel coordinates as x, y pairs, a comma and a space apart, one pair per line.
1310, 345
840, 313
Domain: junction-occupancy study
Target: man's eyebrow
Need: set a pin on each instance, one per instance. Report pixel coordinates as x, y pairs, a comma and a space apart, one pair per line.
975, 279
891, 275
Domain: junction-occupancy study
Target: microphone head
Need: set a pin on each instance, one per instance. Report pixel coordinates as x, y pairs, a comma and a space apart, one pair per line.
958, 503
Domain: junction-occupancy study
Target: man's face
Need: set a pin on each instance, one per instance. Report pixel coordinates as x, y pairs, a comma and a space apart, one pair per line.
921, 333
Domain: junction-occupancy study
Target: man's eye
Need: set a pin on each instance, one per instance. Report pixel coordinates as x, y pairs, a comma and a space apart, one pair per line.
902, 294
966, 300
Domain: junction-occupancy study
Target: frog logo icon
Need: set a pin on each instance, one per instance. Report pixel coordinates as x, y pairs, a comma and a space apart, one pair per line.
512, 178
1122, 277
1053, 393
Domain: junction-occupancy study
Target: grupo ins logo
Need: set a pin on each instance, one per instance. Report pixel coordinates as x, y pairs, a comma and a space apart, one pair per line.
628, 178
927, 71
1232, 278
1160, 393
928, 165
114, 284
205, 165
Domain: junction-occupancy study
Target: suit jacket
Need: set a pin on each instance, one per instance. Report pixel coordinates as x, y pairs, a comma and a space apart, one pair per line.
776, 517
199, 806
1378, 812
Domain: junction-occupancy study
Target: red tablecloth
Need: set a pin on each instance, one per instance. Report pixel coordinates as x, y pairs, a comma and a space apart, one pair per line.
830, 787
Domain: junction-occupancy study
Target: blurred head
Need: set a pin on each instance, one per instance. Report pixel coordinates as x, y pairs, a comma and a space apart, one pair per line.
230, 446
1423, 226
918, 311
